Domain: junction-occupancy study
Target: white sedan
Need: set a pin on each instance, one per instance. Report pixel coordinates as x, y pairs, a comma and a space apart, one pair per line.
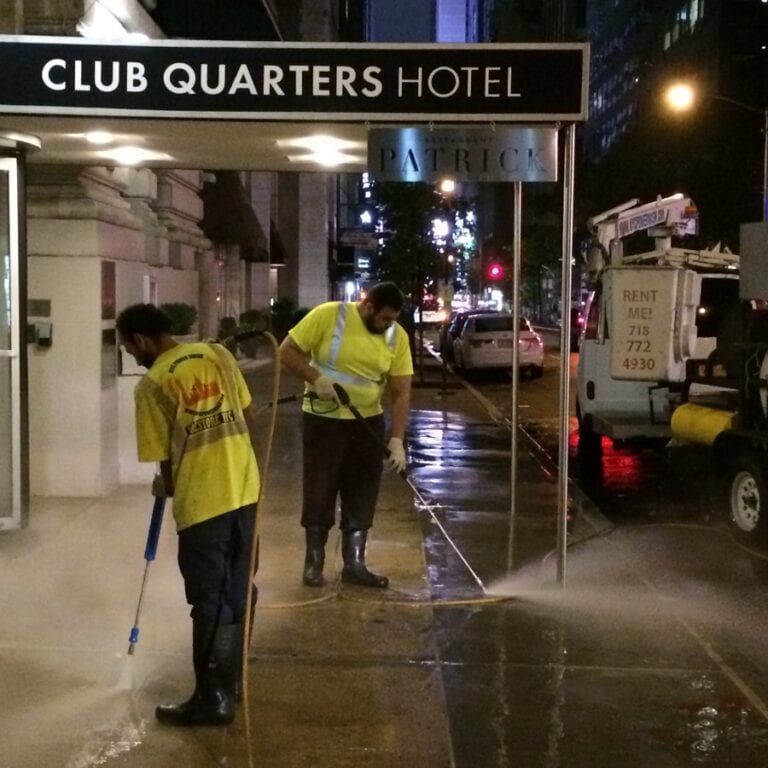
486, 341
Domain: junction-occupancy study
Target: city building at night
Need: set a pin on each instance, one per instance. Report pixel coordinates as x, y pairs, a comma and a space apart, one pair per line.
715, 151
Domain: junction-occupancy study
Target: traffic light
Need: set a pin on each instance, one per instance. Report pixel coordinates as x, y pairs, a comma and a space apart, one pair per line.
494, 271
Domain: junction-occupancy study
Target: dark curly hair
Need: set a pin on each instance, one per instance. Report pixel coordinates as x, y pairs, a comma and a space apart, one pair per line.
145, 320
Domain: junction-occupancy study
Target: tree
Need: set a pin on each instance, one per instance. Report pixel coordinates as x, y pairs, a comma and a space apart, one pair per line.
408, 254
413, 256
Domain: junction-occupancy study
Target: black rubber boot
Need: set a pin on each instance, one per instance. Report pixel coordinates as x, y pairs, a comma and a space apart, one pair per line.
214, 652
353, 553
315, 557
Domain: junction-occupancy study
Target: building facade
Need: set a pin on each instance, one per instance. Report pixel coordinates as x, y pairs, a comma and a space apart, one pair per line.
714, 152
101, 237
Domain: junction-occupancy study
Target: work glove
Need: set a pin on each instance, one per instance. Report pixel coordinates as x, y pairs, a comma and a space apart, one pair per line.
323, 386
396, 454
158, 487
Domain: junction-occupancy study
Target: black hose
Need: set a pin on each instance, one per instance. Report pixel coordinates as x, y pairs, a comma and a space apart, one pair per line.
343, 396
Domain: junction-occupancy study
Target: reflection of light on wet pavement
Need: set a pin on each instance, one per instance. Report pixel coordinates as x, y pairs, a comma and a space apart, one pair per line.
713, 731
622, 468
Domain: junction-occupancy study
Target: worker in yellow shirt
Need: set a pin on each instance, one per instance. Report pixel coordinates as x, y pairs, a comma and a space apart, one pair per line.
192, 416
359, 346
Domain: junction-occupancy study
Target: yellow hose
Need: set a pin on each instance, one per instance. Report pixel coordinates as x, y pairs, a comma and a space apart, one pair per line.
255, 547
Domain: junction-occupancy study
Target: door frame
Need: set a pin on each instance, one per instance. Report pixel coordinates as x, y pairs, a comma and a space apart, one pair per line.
12, 165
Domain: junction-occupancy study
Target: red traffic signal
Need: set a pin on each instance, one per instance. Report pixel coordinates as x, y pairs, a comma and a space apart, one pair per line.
494, 271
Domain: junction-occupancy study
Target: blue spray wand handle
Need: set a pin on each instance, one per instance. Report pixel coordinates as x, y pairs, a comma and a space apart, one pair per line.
155, 524
149, 555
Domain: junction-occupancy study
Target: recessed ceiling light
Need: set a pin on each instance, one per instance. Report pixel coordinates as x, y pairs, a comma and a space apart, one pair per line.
132, 155
324, 150
320, 143
99, 137
327, 159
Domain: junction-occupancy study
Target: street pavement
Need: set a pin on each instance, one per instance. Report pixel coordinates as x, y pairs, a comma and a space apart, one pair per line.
651, 655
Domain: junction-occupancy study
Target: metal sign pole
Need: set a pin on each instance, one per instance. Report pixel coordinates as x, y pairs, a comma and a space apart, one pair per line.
516, 261
565, 335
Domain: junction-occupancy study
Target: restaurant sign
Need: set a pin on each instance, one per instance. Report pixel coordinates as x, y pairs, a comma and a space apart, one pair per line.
464, 153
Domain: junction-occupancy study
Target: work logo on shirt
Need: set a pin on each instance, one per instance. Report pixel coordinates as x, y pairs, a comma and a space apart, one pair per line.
202, 396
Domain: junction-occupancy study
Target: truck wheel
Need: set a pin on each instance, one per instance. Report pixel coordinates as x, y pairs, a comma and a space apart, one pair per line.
537, 371
590, 442
748, 498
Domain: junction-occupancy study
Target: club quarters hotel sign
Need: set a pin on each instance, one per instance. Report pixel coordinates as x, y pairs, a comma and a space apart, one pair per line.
503, 153
279, 81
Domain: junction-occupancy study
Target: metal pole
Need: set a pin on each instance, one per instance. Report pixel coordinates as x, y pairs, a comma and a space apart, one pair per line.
516, 260
765, 164
565, 335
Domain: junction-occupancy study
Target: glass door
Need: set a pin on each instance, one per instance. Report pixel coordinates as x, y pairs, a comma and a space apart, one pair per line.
13, 483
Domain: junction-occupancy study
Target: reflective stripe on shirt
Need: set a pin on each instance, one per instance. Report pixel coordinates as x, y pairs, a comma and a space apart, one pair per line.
333, 353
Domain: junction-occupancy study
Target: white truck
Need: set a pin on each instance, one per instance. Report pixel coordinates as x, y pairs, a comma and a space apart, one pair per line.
647, 315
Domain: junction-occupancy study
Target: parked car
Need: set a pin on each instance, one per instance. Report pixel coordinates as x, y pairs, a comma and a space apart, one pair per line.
577, 326
452, 328
433, 310
486, 341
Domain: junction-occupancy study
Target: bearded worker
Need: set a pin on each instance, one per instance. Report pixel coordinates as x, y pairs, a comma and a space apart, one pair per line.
360, 347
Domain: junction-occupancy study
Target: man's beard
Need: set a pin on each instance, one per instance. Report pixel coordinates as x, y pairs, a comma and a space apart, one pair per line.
372, 328
146, 360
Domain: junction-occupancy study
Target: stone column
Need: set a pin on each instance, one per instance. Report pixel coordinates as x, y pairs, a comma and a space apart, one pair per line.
261, 192
78, 221
303, 222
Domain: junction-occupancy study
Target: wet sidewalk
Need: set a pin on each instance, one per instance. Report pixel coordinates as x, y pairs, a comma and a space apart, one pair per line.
632, 665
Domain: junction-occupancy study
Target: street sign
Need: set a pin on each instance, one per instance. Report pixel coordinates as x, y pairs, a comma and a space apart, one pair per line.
359, 239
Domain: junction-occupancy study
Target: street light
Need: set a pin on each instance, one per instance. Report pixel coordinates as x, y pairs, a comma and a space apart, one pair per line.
681, 97
447, 186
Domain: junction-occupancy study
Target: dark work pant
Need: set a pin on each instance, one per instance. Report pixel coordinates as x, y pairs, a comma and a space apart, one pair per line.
341, 459
214, 558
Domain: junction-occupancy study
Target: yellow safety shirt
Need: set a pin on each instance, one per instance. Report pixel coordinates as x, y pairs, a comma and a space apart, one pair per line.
342, 348
189, 410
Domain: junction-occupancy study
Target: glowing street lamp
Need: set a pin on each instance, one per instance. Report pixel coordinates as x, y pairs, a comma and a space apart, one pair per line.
681, 97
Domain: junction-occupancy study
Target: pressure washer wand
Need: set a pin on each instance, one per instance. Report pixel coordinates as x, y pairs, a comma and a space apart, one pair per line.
343, 396
150, 551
